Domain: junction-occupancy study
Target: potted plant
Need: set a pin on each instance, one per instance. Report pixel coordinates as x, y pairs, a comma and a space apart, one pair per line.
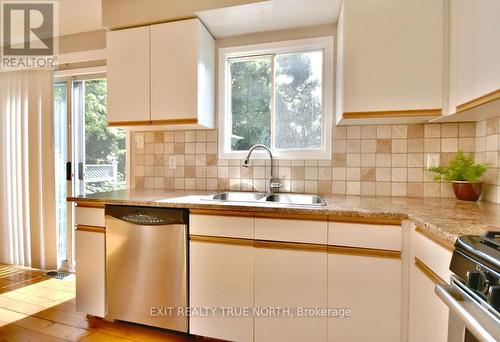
465, 175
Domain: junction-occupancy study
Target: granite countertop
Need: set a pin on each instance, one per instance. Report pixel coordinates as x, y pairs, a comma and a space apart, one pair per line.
445, 219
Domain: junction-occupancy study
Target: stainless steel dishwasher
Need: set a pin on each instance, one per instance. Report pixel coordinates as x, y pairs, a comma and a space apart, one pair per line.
146, 265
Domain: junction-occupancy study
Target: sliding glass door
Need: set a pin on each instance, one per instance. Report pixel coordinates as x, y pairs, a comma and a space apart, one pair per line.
90, 156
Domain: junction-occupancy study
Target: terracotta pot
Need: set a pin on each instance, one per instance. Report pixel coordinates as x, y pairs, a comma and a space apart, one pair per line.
467, 191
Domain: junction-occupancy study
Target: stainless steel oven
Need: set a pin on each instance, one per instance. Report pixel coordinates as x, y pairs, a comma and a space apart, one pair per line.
473, 295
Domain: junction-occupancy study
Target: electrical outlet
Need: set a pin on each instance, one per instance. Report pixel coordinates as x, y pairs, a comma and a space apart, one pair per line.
432, 160
172, 162
139, 141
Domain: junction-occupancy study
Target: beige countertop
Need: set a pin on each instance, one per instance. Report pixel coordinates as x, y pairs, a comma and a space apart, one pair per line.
445, 219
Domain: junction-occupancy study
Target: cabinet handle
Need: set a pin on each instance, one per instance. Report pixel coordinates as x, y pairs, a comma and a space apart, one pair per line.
93, 229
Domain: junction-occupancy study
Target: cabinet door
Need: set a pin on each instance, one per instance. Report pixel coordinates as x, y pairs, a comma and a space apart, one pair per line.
290, 279
475, 26
128, 75
221, 275
371, 287
392, 55
90, 272
174, 70
428, 314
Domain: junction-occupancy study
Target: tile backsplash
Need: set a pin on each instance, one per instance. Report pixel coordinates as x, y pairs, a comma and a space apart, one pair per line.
383, 160
487, 151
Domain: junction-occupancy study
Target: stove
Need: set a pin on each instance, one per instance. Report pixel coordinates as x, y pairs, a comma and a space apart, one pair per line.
473, 295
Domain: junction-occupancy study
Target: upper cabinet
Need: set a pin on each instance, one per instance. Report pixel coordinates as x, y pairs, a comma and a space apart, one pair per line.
161, 75
474, 53
390, 60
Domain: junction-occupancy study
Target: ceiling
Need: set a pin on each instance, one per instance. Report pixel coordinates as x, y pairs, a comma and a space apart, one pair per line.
77, 16
81, 16
269, 16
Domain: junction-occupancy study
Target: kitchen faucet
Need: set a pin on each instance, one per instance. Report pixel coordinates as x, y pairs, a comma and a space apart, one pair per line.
273, 184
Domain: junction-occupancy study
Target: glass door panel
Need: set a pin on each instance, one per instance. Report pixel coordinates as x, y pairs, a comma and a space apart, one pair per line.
61, 159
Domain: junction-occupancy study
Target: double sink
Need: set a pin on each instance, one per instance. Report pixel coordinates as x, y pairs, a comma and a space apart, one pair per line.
259, 197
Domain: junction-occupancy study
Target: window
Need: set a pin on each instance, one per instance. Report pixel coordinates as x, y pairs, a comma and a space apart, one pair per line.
279, 95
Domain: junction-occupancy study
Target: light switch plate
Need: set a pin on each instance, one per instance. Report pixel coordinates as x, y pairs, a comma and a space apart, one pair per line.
172, 162
433, 160
139, 141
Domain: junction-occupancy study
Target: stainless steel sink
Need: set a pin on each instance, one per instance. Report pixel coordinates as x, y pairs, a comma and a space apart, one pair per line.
238, 196
297, 199
280, 198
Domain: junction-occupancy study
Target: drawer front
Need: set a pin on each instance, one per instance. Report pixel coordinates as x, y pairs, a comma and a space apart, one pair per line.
90, 216
291, 230
224, 226
365, 235
434, 256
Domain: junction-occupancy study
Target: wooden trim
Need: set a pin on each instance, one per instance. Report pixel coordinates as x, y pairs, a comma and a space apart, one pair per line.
367, 220
428, 272
175, 122
494, 95
222, 240
392, 113
445, 244
372, 252
128, 123
99, 205
221, 212
306, 217
93, 229
296, 246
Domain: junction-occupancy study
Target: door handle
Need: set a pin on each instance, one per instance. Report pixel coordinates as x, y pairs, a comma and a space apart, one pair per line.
69, 175
80, 171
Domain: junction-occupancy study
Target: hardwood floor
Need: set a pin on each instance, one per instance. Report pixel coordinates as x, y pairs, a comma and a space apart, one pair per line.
37, 308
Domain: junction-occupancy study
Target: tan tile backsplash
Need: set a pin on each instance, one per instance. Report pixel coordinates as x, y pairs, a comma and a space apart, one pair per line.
487, 146
386, 160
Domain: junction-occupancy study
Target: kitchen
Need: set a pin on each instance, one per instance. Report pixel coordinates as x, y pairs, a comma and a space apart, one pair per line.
246, 170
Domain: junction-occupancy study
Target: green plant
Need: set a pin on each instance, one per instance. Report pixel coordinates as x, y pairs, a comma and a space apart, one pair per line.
462, 168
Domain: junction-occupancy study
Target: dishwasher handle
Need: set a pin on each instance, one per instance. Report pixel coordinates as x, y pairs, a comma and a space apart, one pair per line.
146, 216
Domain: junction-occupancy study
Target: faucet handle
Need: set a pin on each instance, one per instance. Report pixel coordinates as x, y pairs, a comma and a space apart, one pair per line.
277, 183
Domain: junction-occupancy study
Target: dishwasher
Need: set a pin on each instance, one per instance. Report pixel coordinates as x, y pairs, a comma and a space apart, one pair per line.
146, 266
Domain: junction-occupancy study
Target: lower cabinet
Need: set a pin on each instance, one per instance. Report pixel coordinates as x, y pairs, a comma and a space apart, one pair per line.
90, 271
371, 288
221, 276
290, 279
428, 314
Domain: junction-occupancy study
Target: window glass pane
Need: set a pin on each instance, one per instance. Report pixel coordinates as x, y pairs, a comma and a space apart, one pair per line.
61, 157
250, 102
104, 146
298, 100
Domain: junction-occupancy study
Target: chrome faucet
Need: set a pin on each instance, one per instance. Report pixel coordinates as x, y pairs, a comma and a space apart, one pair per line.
274, 184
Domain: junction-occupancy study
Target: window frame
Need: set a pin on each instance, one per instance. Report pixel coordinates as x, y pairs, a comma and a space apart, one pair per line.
303, 45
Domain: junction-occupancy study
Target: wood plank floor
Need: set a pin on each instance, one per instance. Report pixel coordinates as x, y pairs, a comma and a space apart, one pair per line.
37, 308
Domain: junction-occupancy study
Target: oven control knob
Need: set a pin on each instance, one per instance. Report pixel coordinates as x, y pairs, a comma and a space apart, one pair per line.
494, 296
473, 280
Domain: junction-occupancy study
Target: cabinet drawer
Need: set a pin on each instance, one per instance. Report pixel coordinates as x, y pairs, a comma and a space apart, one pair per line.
364, 235
225, 226
89, 216
304, 231
434, 256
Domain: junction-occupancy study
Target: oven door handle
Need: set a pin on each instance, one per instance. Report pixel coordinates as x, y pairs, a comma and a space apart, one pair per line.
476, 320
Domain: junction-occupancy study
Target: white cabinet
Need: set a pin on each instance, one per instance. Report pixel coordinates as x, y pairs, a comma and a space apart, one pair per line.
290, 279
182, 73
162, 75
475, 52
90, 271
221, 275
391, 59
371, 288
428, 314
429, 265
128, 76
365, 276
